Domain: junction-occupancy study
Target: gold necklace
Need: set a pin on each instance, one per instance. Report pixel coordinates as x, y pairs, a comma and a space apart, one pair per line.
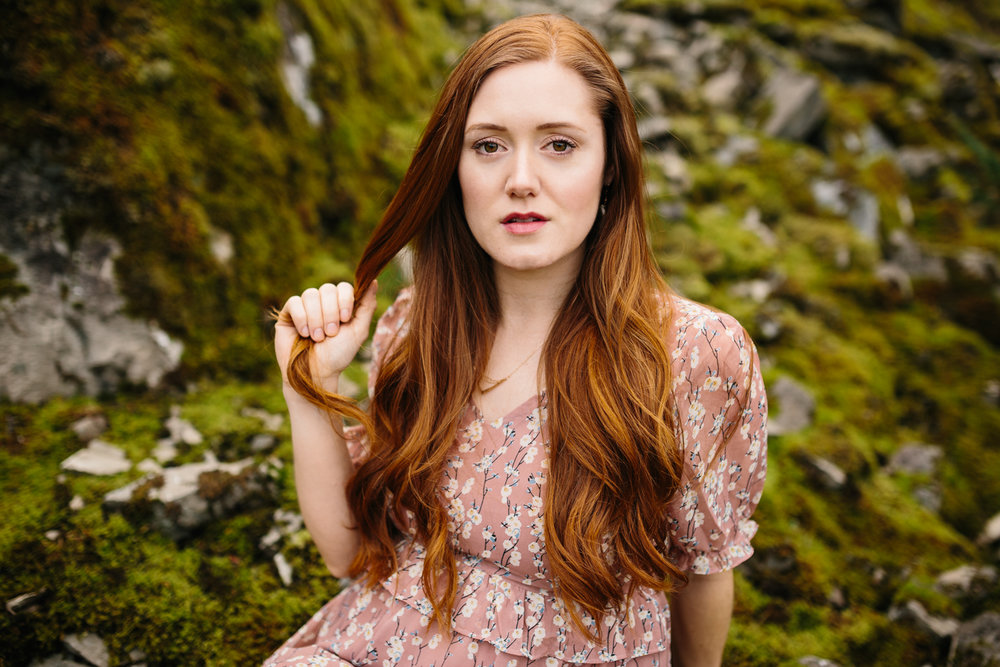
493, 384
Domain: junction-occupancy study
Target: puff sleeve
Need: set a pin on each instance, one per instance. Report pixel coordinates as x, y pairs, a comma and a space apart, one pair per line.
720, 410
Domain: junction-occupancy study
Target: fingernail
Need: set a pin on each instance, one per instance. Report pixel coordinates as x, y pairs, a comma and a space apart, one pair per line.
318, 334
304, 332
331, 329
345, 314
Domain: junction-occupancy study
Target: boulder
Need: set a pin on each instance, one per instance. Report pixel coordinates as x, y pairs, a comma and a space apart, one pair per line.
797, 105
977, 642
89, 647
70, 334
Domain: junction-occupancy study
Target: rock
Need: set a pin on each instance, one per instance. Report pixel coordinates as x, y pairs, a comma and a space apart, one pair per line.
97, 458
26, 603
725, 89
181, 430
149, 466
55, 661
797, 105
284, 569
919, 162
297, 59
836, 598
815, 661
905, 208
864, 215
830, 196
655, 130
991, 532
165, 450
89, 647
857, 205
914, 612
875, 142
181, 500
271, 421
895, 281
796, 406
826, 472
755, 290
89, 427
979, 264
751, 221
286, 524
76, 504
52, 535
915, 458
262, 442
919, 265
977, 642
737, 146
967, 581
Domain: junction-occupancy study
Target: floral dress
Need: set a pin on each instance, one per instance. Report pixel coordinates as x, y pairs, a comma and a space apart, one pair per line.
505, 611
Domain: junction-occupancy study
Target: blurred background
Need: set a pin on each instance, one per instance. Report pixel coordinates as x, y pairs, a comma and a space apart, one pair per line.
826, 170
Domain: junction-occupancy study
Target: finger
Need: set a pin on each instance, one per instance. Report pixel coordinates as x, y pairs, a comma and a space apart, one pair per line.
331, 311
345, 298
296, 314
366, 308
314, 313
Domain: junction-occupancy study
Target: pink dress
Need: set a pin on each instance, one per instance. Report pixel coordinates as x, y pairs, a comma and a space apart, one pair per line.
505, 611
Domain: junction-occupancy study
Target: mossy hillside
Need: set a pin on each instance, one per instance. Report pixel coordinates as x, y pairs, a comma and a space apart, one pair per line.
180, 136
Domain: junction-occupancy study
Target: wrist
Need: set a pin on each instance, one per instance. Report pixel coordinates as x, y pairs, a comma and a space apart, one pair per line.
330, 385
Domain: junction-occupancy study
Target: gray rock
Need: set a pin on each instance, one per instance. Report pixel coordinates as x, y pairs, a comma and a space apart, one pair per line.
979, 264
185, 498
297, 59
76, 504
655, 129
736, 147
71, 334
831, 196
89, 647
826, 472
262, 442
913, 612
796, 406
875, 142
752, 222
271, 421
991, 532
917, 263
859, 206
725, 89
977, 642
895, 279
97, 458
55, 661
26, 603
919, 162
284, 569
864, 215
181, 430
816, 661
966, 580
89, 427
915, 458
797, 105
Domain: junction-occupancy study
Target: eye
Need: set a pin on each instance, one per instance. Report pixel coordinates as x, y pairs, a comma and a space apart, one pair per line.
562, 145
486, 146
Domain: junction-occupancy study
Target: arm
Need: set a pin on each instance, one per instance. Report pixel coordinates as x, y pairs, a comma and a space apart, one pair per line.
699, 619
322, 463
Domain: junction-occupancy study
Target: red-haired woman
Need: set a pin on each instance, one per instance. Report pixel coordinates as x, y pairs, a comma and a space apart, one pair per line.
560, 456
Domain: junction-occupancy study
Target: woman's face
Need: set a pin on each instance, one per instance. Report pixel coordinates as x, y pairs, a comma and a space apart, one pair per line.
532, 167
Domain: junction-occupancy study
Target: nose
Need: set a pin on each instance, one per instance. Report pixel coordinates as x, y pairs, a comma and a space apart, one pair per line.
523, 180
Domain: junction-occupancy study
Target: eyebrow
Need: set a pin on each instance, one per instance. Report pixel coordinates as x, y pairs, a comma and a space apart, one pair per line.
544, 126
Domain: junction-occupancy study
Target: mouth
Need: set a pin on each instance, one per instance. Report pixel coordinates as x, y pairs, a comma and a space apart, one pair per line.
515, 218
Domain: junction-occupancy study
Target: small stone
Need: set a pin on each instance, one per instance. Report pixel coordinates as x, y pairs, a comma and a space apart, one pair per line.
796, 406
966, 579
827, 472
97, 458
271, 421
57, 660
26, 603
656, 129
797, 104
815, 661
752, 222
262, 442
76, 503
88, 646
181, 430
864, 215
991, 532
89, 427
52, 535
837, 599
165, 450
915, 458
149, 466
915, 613
284, 569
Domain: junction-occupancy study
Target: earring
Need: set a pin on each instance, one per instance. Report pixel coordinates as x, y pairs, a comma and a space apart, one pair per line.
603, 206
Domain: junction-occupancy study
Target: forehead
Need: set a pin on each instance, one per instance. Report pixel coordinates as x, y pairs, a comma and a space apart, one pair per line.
533, 93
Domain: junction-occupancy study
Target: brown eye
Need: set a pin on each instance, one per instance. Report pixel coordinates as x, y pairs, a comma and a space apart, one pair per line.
488, 146
560, 146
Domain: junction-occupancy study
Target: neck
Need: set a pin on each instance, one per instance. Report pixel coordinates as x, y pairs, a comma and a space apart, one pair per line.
529, 300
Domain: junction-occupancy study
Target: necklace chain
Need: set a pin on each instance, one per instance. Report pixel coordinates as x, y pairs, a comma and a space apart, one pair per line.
491, 384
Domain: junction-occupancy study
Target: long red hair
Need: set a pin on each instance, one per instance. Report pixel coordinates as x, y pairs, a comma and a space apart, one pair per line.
614, 461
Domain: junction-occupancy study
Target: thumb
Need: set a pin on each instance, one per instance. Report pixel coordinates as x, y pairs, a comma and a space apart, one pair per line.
366, 308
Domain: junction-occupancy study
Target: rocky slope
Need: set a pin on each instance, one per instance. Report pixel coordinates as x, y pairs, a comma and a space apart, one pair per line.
827, 171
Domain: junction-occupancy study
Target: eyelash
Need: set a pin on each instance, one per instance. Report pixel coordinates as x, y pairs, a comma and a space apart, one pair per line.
570, 145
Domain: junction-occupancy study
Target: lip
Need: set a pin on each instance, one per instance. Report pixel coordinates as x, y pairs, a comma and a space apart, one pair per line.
523, 218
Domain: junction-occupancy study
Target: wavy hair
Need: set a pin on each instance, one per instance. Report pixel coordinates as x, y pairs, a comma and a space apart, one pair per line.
614, 462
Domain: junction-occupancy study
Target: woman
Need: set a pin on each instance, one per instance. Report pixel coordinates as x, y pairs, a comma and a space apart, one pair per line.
555, 443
